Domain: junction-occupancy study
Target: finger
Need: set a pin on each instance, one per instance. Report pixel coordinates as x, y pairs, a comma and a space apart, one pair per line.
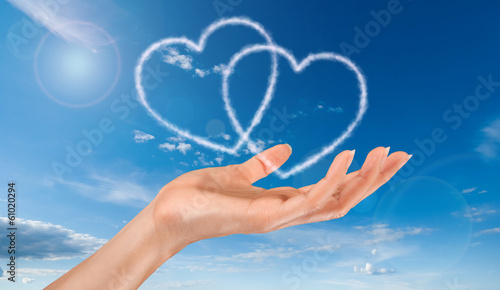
393, 163
347, 179
354, 191
386, 167
316, 198
306, 188
264, 163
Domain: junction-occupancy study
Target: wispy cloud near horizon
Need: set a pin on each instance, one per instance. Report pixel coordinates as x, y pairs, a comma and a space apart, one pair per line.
488, 231
65, 21
490, 145
47, 241
122, 190
370, 269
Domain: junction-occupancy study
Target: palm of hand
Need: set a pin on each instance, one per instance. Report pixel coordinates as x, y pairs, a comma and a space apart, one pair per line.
220, 201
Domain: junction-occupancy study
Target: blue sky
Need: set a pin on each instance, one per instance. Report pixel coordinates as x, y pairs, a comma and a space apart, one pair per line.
86, 157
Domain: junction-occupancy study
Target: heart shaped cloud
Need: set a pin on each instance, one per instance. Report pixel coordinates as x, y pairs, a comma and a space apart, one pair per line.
275, 50
297, 67
199, 47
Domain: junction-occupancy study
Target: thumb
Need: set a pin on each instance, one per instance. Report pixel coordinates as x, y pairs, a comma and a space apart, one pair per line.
266, 162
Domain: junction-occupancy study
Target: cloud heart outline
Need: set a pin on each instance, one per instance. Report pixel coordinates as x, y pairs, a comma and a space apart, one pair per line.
297, 67
199, 47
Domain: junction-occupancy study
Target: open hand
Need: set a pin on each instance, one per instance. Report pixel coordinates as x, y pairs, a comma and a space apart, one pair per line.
220, 201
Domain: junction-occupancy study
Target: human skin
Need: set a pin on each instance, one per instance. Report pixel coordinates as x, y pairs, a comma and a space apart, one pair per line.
221, 201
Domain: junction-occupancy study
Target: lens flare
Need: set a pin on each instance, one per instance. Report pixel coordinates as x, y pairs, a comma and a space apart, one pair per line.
77, 76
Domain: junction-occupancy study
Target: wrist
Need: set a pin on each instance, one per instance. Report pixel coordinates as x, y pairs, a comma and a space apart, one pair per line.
167, 231
126, 260
139, 249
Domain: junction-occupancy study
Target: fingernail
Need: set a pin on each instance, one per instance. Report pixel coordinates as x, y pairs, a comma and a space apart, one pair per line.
350, 157
409, 156
289, 147
386, 153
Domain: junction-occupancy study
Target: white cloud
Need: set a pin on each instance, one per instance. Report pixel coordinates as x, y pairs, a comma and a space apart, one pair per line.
475, 214
40, 272
410, 280
475, 244
349, 283
66, 22
167, 146
335, 109
490, 145
257, 146
219, 159
218, 68
489, 231
300, 113
322, 106
482, 191
374, 252
319, 106
202, 158
28, 280
292, 246
184, 284
141, 137
173, 57
42, 240
183, 163
201, 73
327, 248
222, 135
176, 139
382, 233
210, 263
469, 190
262, 254
297, 67
295, 64
114, 189
370, 269
183, 147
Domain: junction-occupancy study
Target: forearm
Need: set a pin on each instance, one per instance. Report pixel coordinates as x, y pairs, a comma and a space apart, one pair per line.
125, 261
